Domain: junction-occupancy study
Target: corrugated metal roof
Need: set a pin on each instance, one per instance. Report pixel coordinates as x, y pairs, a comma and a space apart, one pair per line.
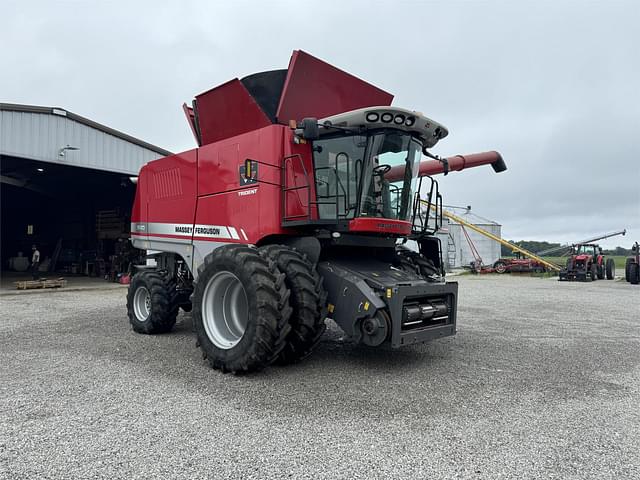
43, 133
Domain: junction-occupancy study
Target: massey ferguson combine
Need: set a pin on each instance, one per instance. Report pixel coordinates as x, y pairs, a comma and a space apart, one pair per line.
296, 206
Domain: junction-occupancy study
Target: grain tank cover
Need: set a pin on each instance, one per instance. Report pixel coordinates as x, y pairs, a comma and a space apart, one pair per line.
314, 88
308, 88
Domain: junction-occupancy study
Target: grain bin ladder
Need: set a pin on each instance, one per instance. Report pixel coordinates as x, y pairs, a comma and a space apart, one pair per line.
481, 231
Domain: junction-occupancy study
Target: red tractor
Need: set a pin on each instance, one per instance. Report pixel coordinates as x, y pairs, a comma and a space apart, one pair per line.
519, 263
296, 206
632, 266
587, 263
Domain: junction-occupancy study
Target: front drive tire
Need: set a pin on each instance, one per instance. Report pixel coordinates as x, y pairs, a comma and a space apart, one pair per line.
152, 303
241, 309
308, 299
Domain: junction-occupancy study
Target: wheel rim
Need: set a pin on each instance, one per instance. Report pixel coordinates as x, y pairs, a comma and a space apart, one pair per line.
225, 310
142, 304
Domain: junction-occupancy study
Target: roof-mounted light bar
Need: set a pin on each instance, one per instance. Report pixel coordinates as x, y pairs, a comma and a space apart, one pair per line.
428, 130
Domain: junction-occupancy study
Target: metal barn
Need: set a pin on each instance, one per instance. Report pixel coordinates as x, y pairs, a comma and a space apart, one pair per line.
456, 250
65, 187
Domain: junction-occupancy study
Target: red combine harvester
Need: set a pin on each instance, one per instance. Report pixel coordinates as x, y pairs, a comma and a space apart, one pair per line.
295, 207
587, 263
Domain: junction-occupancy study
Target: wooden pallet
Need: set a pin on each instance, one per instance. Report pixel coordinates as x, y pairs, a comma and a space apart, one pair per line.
44, 283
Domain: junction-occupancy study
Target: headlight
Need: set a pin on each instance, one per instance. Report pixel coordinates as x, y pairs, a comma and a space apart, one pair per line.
410, 121
399, 119
372, 117
387, 117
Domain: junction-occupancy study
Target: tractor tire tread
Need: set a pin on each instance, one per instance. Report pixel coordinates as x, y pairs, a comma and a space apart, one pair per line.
164, 302
308, 299
270, 312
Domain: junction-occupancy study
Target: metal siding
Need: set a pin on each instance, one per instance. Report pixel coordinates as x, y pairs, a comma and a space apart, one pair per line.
488, 249
40, 136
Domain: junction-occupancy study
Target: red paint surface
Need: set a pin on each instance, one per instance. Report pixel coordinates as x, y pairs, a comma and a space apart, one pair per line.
191, 120
380, 225
166, 191
228, 110
314, 88
456, 163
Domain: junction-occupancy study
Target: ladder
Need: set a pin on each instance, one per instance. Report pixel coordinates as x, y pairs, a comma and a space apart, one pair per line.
526, 253
451, 251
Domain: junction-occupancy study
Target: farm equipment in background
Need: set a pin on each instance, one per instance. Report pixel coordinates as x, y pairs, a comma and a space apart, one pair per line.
632, 266
566, 248
587, 263
295, 207
519, 264
515, 248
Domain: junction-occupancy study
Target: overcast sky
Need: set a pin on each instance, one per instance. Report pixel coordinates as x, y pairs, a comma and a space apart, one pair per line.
554, 86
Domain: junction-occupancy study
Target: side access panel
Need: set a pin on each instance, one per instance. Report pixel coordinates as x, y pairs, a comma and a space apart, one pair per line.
165, 205
232, 208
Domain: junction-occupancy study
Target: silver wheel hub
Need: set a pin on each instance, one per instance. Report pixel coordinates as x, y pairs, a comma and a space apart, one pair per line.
225, 310
142, 304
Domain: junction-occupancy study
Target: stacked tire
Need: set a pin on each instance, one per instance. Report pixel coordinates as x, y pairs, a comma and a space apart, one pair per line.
152, 302
251, 306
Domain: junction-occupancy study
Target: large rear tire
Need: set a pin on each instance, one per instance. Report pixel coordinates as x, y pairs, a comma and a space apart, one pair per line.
240, 309
611, 269
308, 300
627, 264
152, 305
601, 272
634, 274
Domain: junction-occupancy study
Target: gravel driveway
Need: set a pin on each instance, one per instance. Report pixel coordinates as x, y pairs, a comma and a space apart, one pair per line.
542, 381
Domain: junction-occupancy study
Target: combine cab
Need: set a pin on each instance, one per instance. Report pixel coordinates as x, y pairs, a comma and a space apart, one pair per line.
587, 263
296, 206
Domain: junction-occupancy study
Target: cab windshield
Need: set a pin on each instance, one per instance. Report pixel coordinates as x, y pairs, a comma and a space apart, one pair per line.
371, 175
586, 250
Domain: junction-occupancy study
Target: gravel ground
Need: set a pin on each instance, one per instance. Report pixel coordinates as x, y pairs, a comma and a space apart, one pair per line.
542, 381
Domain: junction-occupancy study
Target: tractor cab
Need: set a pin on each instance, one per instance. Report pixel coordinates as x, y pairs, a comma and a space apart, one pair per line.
366, 169
587, 250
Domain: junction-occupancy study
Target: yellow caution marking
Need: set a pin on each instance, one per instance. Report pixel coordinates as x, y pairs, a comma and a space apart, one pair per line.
331, 307
389, 293
366, 306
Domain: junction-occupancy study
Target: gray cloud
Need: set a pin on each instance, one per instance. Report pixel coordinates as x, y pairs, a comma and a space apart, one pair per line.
552, 85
